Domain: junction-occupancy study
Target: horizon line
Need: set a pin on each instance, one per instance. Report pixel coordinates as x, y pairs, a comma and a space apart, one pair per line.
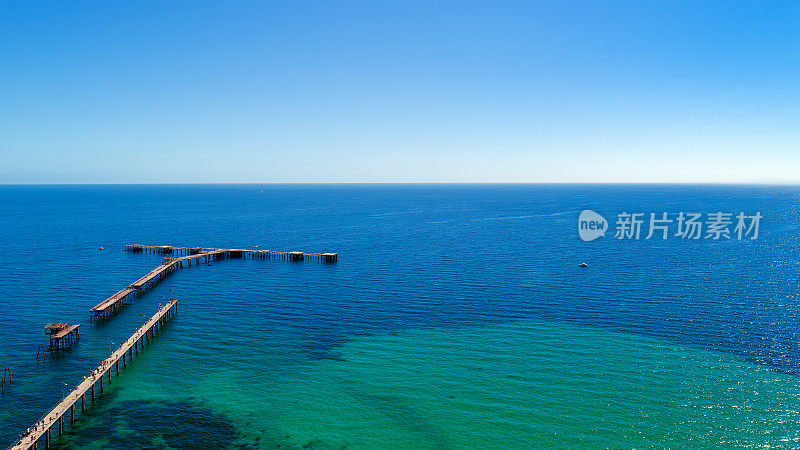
187, 183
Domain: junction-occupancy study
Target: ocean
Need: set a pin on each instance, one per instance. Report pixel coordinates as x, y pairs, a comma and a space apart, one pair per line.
456, 316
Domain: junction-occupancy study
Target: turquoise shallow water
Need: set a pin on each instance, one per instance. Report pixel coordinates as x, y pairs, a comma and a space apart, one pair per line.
456, 317
517, 385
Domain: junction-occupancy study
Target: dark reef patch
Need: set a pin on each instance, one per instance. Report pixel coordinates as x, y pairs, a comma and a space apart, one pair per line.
147, 424
136, 424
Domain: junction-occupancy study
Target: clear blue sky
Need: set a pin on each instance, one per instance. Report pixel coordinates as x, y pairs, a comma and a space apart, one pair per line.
106, 92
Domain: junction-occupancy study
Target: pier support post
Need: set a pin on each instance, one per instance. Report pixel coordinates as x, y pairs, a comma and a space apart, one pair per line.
72, 413
117, 365
47, 439
83, 402
93, 393
61, 425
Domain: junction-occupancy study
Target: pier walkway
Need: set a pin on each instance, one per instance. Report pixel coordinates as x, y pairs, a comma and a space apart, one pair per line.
112, 304
128, 349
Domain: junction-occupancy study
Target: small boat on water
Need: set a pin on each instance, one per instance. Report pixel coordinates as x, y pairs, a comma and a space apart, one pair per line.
583, 265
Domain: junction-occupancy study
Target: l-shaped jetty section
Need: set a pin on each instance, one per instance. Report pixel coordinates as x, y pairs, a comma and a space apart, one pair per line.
125, 353
198, 255
235, 253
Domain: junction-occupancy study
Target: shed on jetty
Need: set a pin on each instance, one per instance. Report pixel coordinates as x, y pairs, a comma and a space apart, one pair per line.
62, 335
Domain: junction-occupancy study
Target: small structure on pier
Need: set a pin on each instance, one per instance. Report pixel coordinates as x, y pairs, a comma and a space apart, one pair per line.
62, 335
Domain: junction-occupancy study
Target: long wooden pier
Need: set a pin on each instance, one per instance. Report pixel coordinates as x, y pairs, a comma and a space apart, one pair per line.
198, 255
124, 354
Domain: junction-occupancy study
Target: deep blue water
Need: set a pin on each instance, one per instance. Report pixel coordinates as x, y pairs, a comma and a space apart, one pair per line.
410, 257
